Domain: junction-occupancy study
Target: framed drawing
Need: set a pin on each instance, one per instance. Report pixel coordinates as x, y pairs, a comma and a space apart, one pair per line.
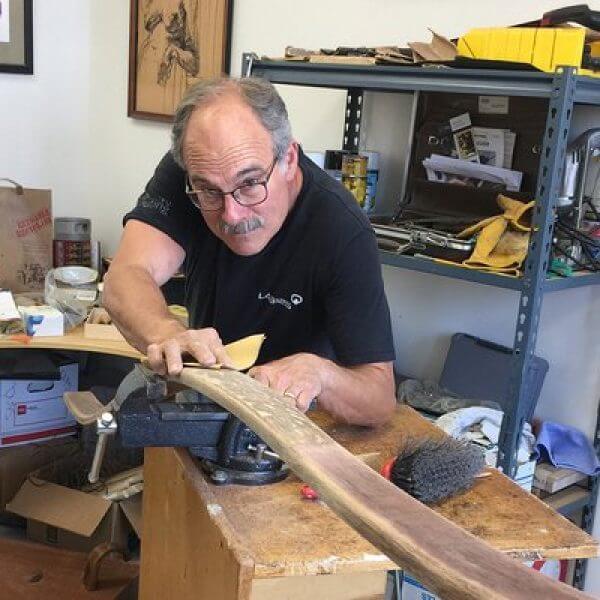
16, 36
173, 44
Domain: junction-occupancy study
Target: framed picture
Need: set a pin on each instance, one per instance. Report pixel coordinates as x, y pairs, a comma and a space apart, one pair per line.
173, 44
16, 36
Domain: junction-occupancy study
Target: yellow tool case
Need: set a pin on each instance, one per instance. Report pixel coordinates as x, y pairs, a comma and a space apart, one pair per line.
545, 48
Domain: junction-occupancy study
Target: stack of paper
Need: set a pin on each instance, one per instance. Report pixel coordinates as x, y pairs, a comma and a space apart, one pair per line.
439, 167
495, 146
10, 318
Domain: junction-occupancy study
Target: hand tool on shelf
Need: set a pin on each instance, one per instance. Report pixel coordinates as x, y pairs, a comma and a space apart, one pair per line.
576, 13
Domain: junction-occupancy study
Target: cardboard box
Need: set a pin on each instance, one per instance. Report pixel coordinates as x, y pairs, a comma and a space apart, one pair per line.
65, 517
96, 329
33, 409
552, 479
17, 462
413, 590
524, 475
41, 321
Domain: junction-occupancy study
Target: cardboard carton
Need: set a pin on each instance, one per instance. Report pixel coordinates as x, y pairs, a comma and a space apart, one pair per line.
17, 462
42, 321
33, 409
414, 590
553, 479
70, 518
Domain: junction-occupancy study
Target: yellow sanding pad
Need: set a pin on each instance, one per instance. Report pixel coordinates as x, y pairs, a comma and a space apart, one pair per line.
243, 353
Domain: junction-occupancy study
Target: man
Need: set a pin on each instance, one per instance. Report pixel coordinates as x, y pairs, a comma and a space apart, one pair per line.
270, 244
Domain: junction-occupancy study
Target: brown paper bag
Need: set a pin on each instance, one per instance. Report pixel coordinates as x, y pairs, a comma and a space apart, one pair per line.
25, 237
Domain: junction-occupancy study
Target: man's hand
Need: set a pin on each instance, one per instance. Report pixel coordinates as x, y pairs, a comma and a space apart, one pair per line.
204, 345
297, 376
362, 394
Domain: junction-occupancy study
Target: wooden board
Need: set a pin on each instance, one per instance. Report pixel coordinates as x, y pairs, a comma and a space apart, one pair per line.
74, 340
342, 60
448, 560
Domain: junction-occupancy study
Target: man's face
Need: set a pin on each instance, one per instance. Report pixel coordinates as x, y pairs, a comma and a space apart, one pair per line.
226, 146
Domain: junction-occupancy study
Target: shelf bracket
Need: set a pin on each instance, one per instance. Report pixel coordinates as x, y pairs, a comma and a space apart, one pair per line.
353, 120
552, 160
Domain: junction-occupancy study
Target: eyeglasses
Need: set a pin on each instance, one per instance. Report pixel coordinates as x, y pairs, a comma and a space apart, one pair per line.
250, 193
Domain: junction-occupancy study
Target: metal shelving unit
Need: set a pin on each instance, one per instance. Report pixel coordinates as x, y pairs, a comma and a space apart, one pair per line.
562, 89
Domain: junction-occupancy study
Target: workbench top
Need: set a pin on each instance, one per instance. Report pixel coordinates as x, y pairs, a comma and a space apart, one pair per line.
287, 535
74, 340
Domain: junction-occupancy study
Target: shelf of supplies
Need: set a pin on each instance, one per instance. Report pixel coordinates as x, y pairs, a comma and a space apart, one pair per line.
427, 79
425, 265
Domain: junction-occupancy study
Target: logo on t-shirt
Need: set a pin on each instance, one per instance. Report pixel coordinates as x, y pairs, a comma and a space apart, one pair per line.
295, 299
157, 203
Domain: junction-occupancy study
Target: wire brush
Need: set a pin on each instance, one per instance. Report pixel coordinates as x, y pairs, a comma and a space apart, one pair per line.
432, 470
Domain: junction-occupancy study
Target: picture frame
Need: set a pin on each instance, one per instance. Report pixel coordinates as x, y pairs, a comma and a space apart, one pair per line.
16, 36
173, 44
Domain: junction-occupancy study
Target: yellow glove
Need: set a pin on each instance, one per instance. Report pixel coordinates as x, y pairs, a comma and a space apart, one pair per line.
516, 212
503, 240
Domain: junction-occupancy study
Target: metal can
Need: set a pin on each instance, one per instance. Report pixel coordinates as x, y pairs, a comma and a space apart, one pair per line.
354, 176
72, 242
354, 165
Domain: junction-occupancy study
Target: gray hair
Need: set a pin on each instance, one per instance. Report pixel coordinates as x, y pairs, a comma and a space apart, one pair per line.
259, 94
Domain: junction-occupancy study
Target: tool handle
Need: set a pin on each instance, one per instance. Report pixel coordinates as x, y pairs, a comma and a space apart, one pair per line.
94, 473
578, 13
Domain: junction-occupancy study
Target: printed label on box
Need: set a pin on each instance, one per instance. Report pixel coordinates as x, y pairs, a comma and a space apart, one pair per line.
493, 105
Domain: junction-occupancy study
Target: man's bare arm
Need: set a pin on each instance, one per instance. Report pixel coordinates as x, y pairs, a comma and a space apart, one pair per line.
145, 260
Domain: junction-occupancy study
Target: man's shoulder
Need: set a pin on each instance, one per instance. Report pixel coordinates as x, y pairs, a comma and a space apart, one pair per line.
168, 175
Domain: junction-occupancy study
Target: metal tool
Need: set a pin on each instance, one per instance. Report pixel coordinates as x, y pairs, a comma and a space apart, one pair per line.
106, 426
146, 413
410, 238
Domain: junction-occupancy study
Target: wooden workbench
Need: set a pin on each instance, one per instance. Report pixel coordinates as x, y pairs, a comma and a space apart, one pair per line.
266, 542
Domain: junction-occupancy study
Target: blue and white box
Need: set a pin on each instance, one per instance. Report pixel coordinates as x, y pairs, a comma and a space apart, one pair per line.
34, 409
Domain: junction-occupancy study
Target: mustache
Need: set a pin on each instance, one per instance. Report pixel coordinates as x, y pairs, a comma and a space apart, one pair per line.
241, 228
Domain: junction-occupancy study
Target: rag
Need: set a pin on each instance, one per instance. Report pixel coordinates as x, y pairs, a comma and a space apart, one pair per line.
502, 240
460, 423
567, 447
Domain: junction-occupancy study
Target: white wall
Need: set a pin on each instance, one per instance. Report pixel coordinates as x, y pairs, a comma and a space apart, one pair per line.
66, 128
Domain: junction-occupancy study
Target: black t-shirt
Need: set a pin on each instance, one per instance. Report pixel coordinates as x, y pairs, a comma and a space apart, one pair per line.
315, 287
